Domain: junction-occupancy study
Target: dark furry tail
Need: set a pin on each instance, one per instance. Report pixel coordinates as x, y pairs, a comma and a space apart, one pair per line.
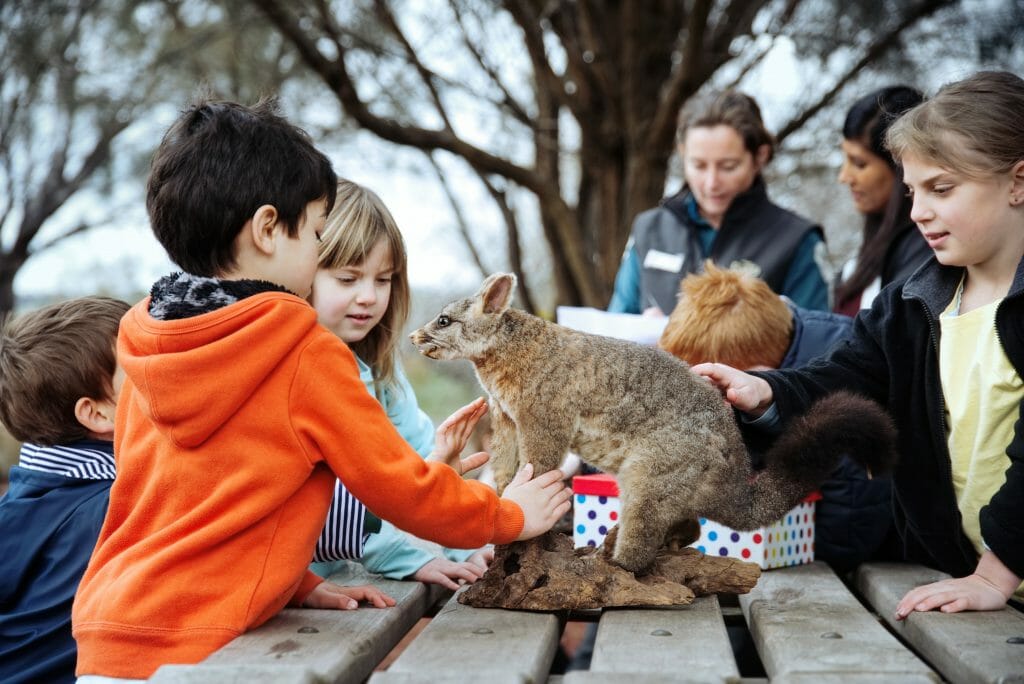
810, 448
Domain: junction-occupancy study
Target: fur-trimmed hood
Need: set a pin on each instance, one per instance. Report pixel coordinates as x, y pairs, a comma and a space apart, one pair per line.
206, 326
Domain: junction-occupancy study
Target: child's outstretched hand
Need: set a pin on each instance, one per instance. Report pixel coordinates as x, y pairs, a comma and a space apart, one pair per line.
448, 574
991, 585
452, 435
336, 597
748, 393
482, 558
544, 499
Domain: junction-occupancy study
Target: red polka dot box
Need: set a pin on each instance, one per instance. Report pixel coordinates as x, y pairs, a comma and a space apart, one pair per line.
790, 541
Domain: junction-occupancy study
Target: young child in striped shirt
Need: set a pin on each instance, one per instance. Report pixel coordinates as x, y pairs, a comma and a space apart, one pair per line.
59, 384
361, 294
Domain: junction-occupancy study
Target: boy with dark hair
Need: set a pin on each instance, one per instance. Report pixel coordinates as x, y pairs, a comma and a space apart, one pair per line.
59, 385
238, 411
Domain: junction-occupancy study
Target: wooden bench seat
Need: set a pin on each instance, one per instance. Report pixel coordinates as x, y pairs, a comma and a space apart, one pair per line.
688, 642
808, 627
304, 645
966, 647
806, 624
496, 646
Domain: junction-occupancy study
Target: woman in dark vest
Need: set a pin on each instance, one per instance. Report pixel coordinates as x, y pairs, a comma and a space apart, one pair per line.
722, 213
891, 247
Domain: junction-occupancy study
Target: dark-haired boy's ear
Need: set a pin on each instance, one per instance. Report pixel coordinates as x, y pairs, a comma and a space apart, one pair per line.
96, 416
262, 225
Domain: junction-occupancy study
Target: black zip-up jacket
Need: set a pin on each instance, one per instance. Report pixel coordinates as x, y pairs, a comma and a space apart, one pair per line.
892, 356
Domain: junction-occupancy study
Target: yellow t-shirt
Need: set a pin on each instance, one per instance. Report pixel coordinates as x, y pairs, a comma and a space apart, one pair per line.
982, 392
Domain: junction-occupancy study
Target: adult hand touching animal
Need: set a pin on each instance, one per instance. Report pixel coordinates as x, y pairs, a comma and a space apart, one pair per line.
453, 434
544, 499
745, 392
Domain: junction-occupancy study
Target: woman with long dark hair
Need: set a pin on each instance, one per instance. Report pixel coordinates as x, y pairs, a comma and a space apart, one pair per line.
892, 247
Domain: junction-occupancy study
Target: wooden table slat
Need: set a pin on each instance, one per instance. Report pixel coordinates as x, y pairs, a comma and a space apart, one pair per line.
965, 647
690, 641
494, 645
806, 623
302, 645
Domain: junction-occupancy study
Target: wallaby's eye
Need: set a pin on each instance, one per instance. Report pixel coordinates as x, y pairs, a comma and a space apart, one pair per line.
443, 321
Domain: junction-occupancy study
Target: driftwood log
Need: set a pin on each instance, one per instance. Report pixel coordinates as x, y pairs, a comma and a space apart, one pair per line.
547, 573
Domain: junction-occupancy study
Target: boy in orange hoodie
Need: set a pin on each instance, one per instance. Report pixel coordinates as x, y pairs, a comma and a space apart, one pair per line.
238, 410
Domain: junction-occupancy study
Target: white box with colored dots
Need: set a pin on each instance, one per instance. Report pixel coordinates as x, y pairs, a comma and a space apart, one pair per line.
790, 541
595, 508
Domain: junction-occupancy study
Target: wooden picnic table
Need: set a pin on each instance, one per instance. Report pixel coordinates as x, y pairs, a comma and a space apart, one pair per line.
806, 623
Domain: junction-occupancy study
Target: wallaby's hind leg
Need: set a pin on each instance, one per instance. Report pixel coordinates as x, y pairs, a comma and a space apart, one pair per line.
643, 525
682, 533
504, 450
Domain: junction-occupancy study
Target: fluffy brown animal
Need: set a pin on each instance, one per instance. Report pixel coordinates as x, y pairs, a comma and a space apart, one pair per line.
640, 413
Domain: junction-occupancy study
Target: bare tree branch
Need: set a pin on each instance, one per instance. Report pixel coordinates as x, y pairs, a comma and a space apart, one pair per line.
879, 46
508, 102
460, 219
548, 80
751, 63
685, 80
77, 230
335, 74
515, 254
426, 75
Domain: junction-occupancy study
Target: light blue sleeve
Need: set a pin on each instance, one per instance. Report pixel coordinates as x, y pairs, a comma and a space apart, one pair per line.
390, 553
626, 294
408, 418
805, 284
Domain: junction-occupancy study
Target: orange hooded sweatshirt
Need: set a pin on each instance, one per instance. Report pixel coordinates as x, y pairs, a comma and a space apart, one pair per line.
230, 429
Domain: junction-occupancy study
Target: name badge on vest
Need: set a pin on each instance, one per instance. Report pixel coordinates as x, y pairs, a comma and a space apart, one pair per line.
663, 261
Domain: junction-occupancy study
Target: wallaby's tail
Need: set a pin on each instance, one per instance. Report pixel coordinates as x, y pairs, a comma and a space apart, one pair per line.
810, 448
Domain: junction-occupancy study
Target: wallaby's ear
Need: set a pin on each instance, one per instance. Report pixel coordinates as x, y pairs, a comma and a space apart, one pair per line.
496, 292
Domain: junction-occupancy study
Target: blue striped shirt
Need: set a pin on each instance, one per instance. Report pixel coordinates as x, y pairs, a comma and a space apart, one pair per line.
85, 460
342, 537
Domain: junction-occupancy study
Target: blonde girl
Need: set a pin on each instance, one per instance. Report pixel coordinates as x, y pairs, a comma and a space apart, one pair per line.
361, 293
944, 351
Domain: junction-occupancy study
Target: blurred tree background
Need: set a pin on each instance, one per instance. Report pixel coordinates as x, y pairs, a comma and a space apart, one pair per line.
518, 135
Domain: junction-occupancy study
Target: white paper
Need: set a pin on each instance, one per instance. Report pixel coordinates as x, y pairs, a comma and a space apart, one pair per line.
633, 327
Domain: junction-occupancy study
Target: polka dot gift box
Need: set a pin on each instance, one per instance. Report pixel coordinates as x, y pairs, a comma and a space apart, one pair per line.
790, 541
595, 508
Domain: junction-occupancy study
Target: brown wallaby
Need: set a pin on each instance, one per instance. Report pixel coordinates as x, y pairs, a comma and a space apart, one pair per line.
640, 413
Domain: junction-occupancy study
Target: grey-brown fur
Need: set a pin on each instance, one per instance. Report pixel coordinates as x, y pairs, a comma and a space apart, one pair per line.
640, 413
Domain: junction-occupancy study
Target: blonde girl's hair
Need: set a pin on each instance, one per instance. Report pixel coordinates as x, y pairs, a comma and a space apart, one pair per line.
726, 316
357, 223
971, 127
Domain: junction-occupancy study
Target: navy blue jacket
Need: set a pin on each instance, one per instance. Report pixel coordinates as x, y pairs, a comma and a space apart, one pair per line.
48, 528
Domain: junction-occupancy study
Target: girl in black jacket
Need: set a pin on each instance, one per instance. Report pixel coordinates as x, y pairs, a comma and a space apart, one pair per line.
944, 351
